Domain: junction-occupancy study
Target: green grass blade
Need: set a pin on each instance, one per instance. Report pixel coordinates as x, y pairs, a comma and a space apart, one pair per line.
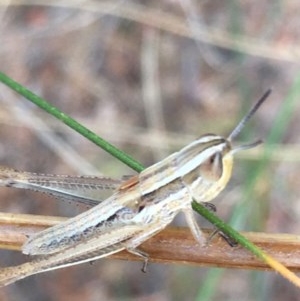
43, 104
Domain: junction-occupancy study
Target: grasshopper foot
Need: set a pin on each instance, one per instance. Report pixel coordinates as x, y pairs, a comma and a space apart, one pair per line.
230, 241
210, 206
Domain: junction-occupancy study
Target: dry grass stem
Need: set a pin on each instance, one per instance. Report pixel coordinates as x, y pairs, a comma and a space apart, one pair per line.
173, 245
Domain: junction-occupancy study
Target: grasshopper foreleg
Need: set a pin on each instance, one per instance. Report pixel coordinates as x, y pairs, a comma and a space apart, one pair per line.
192, 223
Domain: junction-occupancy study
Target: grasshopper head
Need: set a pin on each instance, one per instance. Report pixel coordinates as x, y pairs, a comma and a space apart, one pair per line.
206, 164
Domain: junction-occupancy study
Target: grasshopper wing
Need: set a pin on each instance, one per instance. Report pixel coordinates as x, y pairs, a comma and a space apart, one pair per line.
108, 214
81, 189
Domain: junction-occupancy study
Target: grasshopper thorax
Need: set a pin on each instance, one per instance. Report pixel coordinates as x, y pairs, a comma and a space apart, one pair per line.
205, 166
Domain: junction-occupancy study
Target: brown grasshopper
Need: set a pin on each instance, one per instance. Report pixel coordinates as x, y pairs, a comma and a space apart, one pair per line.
139, 207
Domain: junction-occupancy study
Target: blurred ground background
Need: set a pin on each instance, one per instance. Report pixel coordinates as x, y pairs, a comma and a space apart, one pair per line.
151, 76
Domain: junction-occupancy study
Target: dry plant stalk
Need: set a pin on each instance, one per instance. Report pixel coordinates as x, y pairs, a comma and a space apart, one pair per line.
172, 245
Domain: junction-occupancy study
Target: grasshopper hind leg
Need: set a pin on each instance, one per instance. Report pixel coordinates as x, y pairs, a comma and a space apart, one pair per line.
134, 242
141, 254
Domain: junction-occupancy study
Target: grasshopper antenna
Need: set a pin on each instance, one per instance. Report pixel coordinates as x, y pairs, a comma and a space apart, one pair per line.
246, 118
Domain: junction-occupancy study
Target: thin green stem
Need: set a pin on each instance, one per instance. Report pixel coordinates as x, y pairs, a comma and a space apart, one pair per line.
54, 111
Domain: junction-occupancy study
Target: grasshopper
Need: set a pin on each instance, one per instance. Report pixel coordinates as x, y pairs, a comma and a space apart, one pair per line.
139, 207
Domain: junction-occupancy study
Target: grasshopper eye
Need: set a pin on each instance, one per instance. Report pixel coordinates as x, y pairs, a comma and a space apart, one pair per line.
212, 168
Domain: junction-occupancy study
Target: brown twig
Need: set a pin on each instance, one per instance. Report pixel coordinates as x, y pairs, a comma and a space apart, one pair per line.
173, 245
